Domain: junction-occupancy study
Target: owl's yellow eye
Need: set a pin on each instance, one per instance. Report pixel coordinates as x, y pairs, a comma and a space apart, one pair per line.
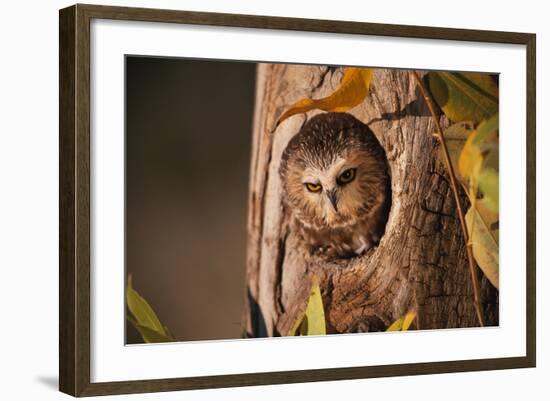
347, 176
313, 187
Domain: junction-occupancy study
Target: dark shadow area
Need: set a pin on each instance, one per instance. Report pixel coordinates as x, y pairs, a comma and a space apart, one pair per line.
415, 108
256, 317
188, 139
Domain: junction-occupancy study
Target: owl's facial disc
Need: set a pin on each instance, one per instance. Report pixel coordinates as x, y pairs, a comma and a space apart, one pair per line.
332, 190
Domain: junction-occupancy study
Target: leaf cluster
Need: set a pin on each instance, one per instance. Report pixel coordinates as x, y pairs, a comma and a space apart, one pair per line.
470, 100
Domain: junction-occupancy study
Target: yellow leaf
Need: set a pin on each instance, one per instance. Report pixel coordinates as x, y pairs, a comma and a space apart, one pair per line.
489, 216
397, 325
481, 146
470, 158
409, 318
352, 91
478, 163
312, 321
455, 137
403, 323
484, 242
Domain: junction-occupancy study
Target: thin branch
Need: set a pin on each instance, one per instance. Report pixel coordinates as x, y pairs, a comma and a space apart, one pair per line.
454, 186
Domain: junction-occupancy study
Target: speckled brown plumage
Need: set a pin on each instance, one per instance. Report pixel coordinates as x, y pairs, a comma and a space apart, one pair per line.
337, 185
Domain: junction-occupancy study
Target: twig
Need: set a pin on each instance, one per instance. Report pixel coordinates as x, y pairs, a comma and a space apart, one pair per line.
452, 177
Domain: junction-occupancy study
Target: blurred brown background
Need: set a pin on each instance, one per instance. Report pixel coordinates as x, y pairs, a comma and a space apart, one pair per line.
188, 133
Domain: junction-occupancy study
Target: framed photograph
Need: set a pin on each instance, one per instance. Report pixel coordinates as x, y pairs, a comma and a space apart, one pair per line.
250, 200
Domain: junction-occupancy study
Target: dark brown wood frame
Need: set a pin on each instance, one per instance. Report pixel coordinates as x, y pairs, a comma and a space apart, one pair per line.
74, 194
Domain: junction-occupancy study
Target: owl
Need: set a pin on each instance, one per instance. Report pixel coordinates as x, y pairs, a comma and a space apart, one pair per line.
336, 185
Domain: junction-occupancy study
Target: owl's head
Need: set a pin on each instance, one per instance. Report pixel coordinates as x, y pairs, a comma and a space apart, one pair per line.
332, 170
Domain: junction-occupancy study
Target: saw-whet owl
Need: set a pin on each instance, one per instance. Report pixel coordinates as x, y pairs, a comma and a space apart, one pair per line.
336, 185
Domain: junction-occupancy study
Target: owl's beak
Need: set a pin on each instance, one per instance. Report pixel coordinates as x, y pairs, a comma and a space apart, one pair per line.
333, 199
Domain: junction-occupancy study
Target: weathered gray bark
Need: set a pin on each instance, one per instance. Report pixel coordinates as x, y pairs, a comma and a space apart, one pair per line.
421, 261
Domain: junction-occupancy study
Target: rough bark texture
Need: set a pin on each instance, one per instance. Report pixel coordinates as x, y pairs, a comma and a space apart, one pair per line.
421, 260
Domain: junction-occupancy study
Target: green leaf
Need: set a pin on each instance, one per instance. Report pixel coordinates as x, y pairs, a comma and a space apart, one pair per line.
168, 332
403, 323
464, 96
152, 336
149, 335
488, 185
486, 133
144, 318
484, 241
312, 321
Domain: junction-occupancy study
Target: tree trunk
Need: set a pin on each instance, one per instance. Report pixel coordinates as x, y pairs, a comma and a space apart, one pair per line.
421, 261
